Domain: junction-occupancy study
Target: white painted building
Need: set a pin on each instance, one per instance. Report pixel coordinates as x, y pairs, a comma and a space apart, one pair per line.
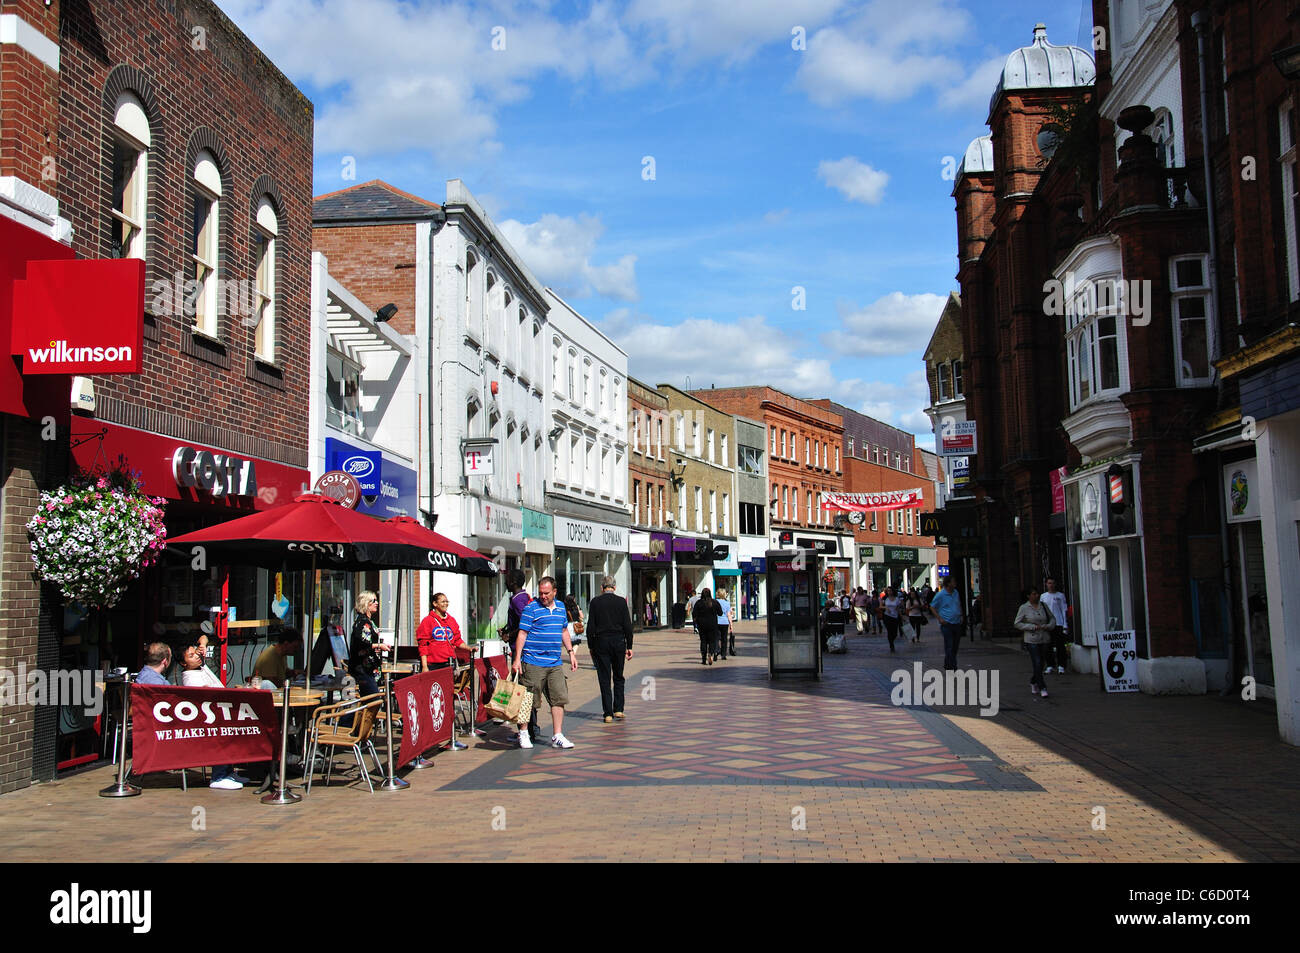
586, 431
489, 331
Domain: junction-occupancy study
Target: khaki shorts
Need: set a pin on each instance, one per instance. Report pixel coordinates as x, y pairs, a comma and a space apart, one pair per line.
552, 681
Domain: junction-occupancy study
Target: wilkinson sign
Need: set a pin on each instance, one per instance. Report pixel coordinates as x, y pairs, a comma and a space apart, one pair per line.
869, 502
80, 317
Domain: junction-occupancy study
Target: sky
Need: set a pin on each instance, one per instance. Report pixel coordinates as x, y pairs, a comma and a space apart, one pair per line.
734, 191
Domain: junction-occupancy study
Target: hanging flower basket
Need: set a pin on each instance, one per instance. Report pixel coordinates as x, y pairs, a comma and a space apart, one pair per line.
93, 535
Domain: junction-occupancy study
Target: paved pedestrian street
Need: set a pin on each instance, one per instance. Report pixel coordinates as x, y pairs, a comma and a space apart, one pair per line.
717, 763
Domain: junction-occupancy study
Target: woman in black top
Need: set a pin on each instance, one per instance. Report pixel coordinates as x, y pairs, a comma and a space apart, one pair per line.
705, 616
363, 663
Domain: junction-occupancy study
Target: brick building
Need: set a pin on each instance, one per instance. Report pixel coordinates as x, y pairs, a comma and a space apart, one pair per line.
650, 493
804, 444
1114, 351
192, 153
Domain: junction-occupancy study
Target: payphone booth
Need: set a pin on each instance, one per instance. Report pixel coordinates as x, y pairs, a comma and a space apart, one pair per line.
794, 645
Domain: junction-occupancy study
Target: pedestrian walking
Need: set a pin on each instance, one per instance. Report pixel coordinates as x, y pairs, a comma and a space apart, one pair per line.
889, 608
875, 611
705, 617
1059, 608
609, 630
543, 642
915, 609
861, 603
1035, 620
946, 606
726, 625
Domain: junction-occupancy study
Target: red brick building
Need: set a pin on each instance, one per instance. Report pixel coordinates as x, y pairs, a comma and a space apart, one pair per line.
193, 153
805, 443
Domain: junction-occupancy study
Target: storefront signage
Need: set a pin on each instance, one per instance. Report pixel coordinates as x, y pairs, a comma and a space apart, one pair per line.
901, 555
657, 547
824, 547
757, 564
725, 561
478, 460
490, 520
943, 570
581, 534
1092, 512
1118, 654
217, 473
398, 495
364, 466
958, 439
80, 317
537, 525
340, 486
153, 455
175, 727
693, 551
868, 553
1058, 489
1241, 491
873, 502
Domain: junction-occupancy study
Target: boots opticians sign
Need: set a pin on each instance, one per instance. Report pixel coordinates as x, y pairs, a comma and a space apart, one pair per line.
80, 317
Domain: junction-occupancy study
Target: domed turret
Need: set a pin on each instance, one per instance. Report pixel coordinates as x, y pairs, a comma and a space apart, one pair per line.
978, 157
1043, 65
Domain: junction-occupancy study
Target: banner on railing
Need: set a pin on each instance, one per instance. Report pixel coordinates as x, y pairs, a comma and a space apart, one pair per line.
426, 706
195, 727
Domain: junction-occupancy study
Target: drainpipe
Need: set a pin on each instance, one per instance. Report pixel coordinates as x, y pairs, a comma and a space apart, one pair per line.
1201, 24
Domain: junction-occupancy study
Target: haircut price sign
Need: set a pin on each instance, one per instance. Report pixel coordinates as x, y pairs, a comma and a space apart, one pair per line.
1118, 651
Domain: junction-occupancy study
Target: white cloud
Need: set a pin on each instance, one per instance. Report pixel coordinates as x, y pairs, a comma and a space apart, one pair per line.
692, 30
856, 181
893, 324
974, 92
888, 52
900, 404
558, 249
776, 217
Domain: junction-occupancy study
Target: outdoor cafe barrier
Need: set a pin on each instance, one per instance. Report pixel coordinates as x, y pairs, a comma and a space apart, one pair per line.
428, 711
195, 727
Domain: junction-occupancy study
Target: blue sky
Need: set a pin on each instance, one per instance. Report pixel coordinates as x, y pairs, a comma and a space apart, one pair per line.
775, 168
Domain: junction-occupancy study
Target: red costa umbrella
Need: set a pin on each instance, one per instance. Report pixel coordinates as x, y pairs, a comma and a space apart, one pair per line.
315, 531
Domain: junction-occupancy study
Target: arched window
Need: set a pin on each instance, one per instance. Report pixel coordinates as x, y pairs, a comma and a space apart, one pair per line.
473, 296
131, 141
206, 230
265, 232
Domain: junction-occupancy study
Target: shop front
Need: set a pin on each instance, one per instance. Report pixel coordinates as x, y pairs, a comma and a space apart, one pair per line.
1107, 574
494, 530
726, 571
834, 571
584, 552
692, 566
651, 564
753, 577
901, 564
1246, 557
178, 599
539, 547
873, 574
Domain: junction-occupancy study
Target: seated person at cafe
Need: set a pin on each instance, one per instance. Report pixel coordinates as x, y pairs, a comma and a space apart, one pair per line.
157, 659
195, 674
271, 666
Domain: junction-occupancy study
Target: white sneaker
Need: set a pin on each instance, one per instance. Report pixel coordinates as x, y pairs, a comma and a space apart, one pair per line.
1043, 693
226, 784
1033, 689
1060, 670
559, 741
524, 740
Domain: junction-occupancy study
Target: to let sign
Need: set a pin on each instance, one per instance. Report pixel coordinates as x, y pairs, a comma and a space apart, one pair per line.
958, 439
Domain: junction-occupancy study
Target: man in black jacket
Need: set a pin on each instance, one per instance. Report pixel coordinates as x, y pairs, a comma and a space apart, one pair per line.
609, 636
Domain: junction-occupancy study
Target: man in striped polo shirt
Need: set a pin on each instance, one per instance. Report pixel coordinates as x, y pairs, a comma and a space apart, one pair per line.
543, 642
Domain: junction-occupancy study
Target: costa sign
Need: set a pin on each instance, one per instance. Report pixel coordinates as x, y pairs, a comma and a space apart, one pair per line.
873, 502
341, 486
80, 317
220, 474
176, 727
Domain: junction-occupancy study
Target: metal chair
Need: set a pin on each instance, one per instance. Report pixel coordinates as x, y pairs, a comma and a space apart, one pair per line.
327, 730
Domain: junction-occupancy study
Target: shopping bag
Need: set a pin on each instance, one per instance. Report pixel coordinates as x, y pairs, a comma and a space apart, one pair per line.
506, 700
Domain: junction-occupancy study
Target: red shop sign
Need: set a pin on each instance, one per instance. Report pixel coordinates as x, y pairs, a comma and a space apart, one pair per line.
192, 727
177, 470
80, 317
